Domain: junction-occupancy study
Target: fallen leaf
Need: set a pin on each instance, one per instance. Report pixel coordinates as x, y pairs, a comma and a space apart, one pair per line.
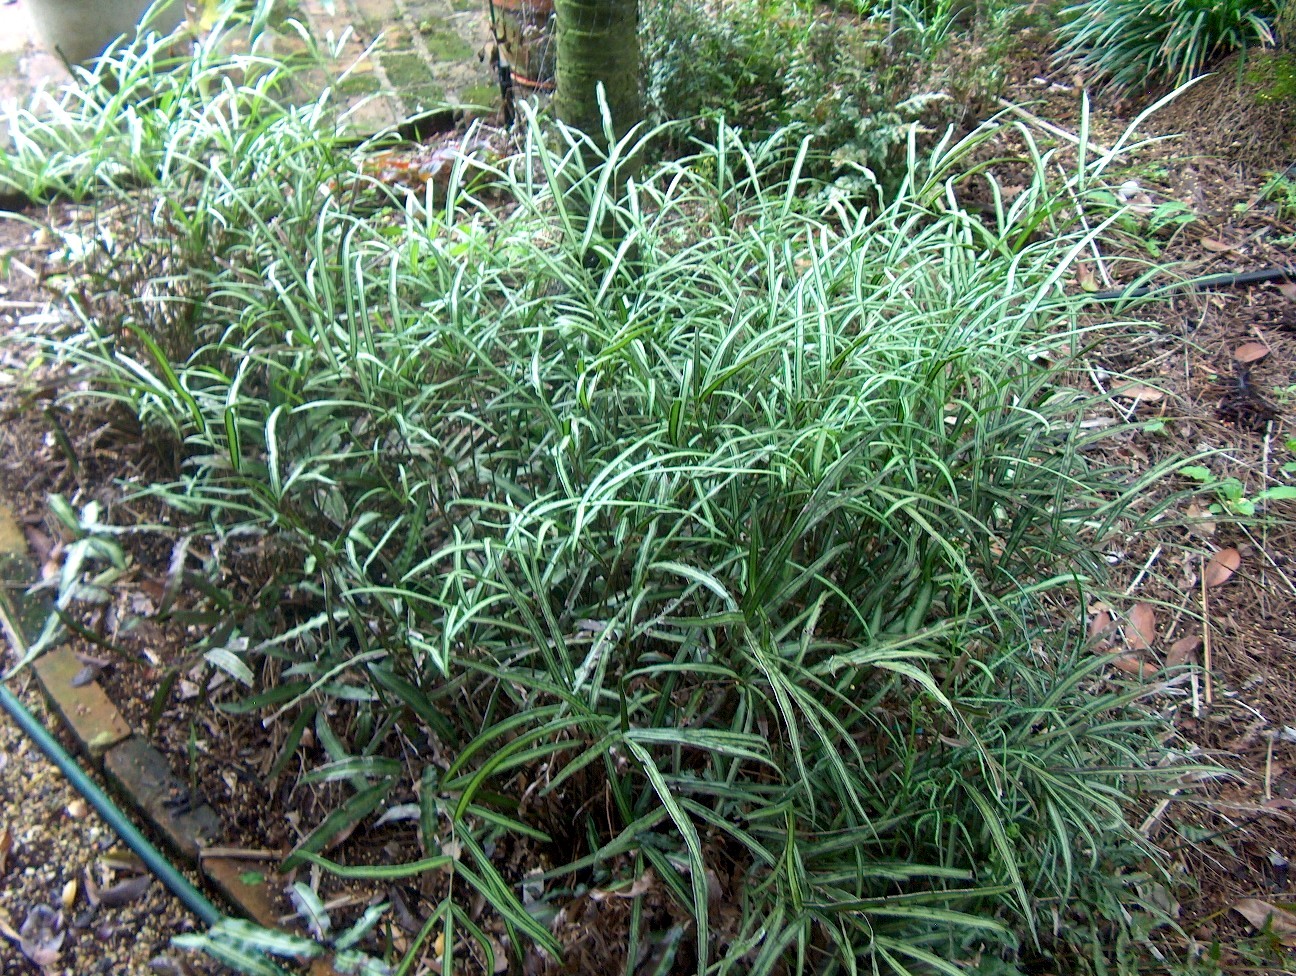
1214, 246
1139, 391
1263, 915
1222, 566
1086, 278
122, 859
1288, 288
41, 936
1250, 352
1100, 624
91, 888
125, 892
1199, 522
1183, 651
1143, 629
1131, 665
640, 886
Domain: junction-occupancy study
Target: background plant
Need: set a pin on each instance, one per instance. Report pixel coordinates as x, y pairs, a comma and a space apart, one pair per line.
859, 81
734, 544
1134, 44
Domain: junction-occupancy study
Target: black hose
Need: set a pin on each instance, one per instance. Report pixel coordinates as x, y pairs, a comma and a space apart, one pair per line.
1208, 283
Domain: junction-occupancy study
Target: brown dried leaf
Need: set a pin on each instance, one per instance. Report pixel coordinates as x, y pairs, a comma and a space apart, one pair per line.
1100, 624
1200, 523
1143, 627
1139, 391
1215, 246
1131, 665
91, 888
1263, 915
1222, 566
1250, 352
1183, 651
1288, 289
125, 892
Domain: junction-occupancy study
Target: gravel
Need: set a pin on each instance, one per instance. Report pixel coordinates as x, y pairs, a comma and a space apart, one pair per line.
55, 844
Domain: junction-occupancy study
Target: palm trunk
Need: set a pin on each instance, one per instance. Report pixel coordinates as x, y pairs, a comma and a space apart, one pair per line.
598, 41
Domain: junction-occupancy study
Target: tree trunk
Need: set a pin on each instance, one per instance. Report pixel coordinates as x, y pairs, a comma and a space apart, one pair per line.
598, 41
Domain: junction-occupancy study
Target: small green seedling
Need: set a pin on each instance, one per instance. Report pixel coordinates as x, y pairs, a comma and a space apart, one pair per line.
1232, 493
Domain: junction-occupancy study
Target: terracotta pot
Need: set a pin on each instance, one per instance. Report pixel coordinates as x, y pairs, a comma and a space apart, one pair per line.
81, 30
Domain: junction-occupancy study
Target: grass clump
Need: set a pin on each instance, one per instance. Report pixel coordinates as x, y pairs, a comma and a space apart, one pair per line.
1131, 44
680, 532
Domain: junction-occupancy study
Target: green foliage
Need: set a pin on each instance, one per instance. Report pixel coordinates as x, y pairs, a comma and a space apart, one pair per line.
683, 525
861, 85
1280, 191
1274, 78
1135, 44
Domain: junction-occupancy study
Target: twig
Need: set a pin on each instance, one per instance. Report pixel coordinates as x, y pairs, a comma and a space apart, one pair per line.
1052, 129
1093, 243
1268, 787
1206, 637
1146, 826
1143, 572
15, 263
240, 854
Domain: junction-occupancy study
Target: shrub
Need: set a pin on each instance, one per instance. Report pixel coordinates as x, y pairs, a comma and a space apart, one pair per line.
1136, 43
858, 85
736, 545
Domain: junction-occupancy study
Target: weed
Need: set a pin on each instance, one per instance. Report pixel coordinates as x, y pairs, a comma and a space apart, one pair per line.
1280, 191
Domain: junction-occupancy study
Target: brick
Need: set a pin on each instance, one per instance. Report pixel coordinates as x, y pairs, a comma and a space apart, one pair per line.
93, 720
256, 901
143, 774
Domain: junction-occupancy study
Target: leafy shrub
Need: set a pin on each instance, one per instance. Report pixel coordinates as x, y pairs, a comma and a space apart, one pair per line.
858, 85
732, 545
1135, 43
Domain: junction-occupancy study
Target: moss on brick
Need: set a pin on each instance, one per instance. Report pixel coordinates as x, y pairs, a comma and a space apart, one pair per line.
484, 95
446, 45
407, 71
359, 84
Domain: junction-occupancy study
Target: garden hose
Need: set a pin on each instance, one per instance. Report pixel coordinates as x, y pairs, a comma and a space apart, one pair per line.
1208, 283
153, 859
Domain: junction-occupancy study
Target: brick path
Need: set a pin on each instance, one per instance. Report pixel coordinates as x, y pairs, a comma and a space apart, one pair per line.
409, 56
